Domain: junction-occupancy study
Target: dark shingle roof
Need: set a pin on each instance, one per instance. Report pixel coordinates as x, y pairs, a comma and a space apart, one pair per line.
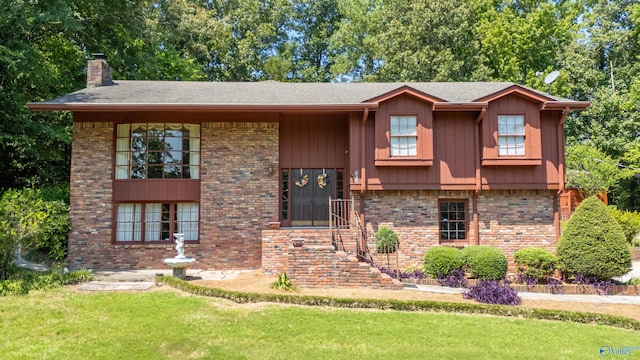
186, 93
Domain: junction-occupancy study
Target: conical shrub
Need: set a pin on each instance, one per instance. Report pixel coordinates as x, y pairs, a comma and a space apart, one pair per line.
593, 244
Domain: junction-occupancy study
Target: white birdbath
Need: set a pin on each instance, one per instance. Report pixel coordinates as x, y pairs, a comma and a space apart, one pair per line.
180, 262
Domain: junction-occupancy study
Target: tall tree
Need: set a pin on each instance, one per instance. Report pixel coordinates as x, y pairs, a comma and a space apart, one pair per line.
407, 40
36, 62
313, 26
522, 38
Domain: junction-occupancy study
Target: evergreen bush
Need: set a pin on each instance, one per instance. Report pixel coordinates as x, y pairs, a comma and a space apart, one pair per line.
442, 261
485, 262
535, 263
593, 244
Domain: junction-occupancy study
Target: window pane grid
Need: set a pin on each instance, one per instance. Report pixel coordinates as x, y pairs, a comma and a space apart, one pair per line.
158, 150
129, 225
161, 221
453, 220
511, 134
403, 136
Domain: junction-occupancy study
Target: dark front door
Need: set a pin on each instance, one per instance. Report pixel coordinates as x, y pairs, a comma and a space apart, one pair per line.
309, 192
305, 195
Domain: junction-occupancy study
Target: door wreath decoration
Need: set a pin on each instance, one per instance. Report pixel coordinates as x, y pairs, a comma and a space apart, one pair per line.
301, 180
323, 180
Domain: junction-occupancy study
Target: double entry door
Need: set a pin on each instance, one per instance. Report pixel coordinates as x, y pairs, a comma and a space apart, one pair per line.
306, 193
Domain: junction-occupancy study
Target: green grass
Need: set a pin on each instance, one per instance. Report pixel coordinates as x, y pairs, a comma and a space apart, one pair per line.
62, 324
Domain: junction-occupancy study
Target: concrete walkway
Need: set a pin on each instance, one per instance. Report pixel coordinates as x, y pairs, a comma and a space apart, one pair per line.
141, 280
633, 274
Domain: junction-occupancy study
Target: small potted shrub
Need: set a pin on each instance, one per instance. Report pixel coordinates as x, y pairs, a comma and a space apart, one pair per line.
386, 241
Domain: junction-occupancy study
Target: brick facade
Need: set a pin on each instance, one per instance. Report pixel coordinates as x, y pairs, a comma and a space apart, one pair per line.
239, 198
91, 208
275, 256
509, 220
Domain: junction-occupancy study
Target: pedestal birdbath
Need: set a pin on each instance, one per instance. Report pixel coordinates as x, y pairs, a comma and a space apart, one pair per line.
180, 262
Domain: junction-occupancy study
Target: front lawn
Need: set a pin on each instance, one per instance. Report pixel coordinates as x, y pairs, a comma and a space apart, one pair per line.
63, 324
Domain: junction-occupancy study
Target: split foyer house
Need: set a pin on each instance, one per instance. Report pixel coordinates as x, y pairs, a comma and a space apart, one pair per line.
242, 168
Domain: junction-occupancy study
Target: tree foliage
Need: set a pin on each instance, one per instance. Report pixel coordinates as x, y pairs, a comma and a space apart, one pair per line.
595, 44
592, 171
26, 220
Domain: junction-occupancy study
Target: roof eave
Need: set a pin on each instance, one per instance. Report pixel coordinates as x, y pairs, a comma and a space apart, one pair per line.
470, 106
561, 105
85, 107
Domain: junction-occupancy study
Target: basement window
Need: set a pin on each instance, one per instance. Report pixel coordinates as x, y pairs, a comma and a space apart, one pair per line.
452, 215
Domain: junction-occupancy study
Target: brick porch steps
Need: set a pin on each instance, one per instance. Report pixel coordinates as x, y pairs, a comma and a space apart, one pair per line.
321, 266
316, 263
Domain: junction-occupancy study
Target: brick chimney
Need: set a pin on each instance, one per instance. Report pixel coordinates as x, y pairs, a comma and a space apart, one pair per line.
98, 71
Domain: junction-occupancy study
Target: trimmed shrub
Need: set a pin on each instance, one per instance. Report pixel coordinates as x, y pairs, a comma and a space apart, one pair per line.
629, 222
442, 261
485, 262
593, 243
535, 263
490, 292
386, 241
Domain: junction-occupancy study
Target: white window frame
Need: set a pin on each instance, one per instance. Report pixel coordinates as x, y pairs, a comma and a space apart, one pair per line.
403, 136
183, 218
511, 135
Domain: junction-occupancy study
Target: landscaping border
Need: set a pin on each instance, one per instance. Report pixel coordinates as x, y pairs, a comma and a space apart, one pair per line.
569, 289
404, 305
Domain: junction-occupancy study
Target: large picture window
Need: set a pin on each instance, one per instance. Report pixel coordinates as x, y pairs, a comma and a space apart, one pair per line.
158, 151
403, 136
151, 222
453, 220
511, 135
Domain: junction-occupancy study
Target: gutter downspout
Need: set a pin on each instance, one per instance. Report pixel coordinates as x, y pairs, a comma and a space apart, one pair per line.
363, 174
561, 172
478, 147
363, 149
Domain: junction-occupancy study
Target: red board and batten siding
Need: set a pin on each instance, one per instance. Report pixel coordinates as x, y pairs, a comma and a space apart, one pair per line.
455, 149
314, 141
